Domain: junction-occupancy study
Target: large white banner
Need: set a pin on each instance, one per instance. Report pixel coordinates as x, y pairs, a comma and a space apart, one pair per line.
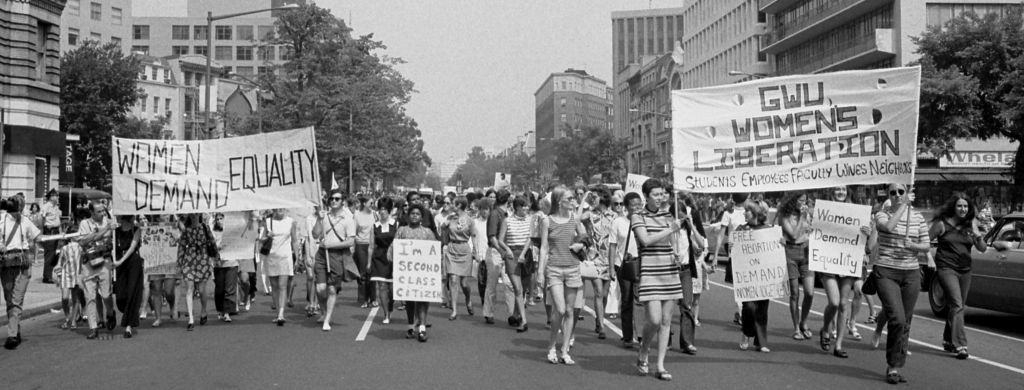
759, 265
797, 132
417, 270
263, 171
837, 244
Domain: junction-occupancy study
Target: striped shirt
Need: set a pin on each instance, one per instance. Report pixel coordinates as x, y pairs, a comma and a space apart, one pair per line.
891, 251
518, 230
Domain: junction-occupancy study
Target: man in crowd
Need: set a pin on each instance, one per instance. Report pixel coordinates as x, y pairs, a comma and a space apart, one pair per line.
496, 254
51, 225
95, 275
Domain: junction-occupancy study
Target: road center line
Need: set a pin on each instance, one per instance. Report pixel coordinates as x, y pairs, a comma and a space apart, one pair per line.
367, 324
918, 342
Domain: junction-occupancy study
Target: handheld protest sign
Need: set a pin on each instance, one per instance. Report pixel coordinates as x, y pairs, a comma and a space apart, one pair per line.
759, 265
417, 272
836, 245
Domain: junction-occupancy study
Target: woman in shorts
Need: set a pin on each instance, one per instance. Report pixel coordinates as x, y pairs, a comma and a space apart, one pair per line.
561, 234
795, 219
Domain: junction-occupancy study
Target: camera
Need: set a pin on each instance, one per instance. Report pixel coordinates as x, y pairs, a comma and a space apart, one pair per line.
12, 204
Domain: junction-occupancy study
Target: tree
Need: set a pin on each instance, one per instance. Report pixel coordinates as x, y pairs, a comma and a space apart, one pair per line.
589, 151
972, 81
97, 91
351, 94
141, 128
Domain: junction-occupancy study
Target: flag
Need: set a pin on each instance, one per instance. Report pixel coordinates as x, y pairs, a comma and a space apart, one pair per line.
334, 183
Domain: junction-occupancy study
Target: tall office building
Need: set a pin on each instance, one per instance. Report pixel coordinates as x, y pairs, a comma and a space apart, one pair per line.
722, 36
568, 101
99, 20
178, 27
635, 34
32, 154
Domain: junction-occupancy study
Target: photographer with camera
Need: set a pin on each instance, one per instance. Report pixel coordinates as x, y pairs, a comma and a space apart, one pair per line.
97, 240
18, 234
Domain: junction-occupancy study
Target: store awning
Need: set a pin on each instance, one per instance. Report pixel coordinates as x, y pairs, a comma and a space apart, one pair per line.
961, 176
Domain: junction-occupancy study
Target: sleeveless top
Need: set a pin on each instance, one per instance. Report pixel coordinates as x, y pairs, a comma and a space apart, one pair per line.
560, 236
954, 248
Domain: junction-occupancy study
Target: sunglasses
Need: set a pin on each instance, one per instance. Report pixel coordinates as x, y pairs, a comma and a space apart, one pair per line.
618, 204
335, 199
897, 192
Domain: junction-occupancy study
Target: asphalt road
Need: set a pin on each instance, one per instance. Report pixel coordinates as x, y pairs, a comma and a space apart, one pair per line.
466, 353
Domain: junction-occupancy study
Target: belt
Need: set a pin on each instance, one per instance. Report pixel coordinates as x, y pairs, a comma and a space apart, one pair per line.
15, 250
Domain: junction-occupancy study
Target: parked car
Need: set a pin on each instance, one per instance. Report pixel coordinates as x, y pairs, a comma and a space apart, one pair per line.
997, 281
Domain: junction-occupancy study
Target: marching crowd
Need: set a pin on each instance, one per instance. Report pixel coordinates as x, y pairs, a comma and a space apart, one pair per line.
647, 251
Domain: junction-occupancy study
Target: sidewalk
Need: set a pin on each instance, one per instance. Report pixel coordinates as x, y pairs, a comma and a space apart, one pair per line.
39, 298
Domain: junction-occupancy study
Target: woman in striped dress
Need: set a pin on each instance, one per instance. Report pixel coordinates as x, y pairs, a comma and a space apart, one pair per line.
517, 236
560, 233
660, 286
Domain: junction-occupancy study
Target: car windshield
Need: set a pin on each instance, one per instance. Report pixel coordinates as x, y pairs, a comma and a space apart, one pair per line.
1011, 232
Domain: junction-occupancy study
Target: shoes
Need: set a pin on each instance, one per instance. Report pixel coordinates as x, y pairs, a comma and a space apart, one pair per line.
840, 354
227, 318
13, 342
763, 349
745, 343
894, 377
948, 347
690, 350
613, 316
566, 360
93, 334
696, 322
489, 320
876, 339
65, 325
326, 327
870, 321
374, 304
386, 320
156, 324
422, 336
127, 333
825, 340
280, 321
453, 316
190, 327
580, 317
601, 335
641, 367
410, 333
513, 321
854, 334
111, 322
663, 375
798, 335
367, 305
553, 357
961, 353
523, 328
203, 320
469, 309
736, 319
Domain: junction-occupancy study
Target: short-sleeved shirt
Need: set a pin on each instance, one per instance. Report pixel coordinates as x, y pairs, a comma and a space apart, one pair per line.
364, 226
621, 238
51, 215
495, 222
344, 225
891, 251
518, 230
22, 236
732, 220
89, 226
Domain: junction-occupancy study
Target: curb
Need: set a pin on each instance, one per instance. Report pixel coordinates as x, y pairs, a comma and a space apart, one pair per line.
34, 311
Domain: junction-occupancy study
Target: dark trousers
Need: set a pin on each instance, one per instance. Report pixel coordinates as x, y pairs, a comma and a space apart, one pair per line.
898, 289
49, 254
128, 291
687, 323
755, 321
956, 285
361, 256
225, 283
627, 295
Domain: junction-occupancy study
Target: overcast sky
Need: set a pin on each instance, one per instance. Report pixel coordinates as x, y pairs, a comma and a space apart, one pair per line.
476, 64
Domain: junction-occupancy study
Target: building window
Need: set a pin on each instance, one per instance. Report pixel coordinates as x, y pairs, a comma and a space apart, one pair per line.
140, 49
263, 70
563, 117
115, 16
152, 74
179, 50
140, 32
73, 36
188, 78
223, 33
116, 40
266, 53
156, 104
286, 53
200, 32
74, 7
243, 53
96, 37
167, 76
244, 33
167, 106
179, 33
143, 101
265, 33
200, 50
563, 102
245, 70
42, 30
96, 11
222, 53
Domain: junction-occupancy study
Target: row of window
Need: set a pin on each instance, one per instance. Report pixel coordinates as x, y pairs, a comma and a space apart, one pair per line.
806, 13
74, 35
716, 69
227, 53
737, 22
637, 37
821, 50
198, 33
156, 104
74, 7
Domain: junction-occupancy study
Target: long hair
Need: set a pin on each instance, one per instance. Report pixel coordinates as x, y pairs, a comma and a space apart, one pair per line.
790, 205
759, 212
832, 194
949, 210
557, 194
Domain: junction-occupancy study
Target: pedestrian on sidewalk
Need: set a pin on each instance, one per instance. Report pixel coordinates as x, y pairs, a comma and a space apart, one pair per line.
97, 239
194, 264
600, 274
956, 231
561, 234
660, 287
381, 269
416, 312
754, 317
130, 277
335, 230
51, 225
690, 247
19, 236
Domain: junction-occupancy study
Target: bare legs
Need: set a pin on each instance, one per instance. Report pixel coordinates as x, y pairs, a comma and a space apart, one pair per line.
561, 317
800, 312
384, 295
279, 290
161, 289
455, 283
659, 321
327, 296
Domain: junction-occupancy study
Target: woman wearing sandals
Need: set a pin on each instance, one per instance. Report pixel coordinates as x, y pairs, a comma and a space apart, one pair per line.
956, 231
381, 269
457, 230
795, 219
416, 312
195, 265
516, 236
335, 230
283, 234
754, 314
660, 287
838, 290
129, 265
560, 235
902, 235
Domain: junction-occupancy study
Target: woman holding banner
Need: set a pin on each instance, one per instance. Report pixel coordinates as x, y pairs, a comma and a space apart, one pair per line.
129, 265
754, 317
194, 263
660, 287
795, 219
560, 236
902, 235
956, 231
416, 312
838, 290
381, 270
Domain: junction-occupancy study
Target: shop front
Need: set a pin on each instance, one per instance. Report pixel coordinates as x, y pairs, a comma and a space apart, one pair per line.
982, 170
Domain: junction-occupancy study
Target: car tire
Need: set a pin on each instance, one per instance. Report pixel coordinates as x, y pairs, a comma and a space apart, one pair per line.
937, 298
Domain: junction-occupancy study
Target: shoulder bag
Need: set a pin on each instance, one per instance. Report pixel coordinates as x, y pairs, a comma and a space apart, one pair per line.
630, 268
95, 255
268, 243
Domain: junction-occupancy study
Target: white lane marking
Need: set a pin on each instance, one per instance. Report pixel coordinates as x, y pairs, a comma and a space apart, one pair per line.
918, 342
607, 324
367, 324
1011, 338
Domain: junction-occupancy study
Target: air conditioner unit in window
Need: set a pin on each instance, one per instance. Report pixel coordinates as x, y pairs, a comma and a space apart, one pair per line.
167, 81
144, 77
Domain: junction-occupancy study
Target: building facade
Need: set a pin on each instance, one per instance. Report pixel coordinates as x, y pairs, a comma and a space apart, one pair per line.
33, 150
815, 36
178, 27
97, 20
723, 36
650, 120
568, 101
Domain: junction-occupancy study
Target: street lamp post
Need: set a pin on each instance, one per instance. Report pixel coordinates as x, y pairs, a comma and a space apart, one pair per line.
209, 46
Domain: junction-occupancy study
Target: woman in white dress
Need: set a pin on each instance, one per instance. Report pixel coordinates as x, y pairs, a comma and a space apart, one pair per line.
284, 234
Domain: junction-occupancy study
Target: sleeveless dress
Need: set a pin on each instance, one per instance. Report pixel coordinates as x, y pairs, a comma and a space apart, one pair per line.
128, 287
193, 263
381, 270
459, 253
659, 272
280, 260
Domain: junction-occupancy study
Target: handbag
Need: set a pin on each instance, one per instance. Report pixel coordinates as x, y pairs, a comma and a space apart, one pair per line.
588, 270
630, 268
15, 258
268, 243
211, 243
870, 286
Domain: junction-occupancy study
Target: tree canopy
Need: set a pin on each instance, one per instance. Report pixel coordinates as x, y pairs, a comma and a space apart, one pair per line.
589, 151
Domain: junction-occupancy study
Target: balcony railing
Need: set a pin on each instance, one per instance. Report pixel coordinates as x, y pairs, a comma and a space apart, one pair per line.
822, 59
814, 15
